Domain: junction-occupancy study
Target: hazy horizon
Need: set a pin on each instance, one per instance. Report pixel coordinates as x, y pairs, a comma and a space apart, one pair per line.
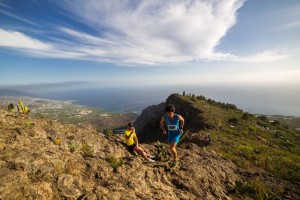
264, 100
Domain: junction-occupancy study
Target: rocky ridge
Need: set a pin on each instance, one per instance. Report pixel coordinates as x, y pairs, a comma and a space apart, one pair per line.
148, 122
43, 159
267, 153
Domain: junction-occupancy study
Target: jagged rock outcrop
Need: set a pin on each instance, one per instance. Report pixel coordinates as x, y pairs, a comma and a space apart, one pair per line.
194, 118
148, 122
42, 159
154, 111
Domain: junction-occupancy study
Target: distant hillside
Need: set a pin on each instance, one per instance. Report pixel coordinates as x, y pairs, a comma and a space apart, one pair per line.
290, 121
67, 112
262, 148
9, 92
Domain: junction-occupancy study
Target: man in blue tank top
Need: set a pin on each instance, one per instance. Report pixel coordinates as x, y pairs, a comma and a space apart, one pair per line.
173, 124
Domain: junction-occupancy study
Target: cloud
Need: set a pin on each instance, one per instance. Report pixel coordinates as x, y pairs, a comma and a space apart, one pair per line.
140, 32
290, 25
156, 32
44, 87
4, 5
17, 17
264, 57
277, 77
18, 40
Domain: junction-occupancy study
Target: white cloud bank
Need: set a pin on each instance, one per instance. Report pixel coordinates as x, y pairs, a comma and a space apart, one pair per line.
15, 39
265, 56
141, 32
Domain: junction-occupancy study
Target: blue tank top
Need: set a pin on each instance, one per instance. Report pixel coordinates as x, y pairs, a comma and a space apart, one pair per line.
172, 124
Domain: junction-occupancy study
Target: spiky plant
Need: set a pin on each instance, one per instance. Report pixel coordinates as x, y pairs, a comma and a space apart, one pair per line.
22, 108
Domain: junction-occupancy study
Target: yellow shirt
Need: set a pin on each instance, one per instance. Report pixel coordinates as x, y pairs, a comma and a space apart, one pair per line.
129, 141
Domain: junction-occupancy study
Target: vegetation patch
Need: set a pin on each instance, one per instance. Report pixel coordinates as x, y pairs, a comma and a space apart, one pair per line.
27, 124
253, 188
114, 162
11, 107
87, 150
73, 147
162, 152
249, 140
233, 121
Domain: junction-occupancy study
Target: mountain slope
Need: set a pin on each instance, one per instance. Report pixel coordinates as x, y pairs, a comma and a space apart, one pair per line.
43, 159
10, 92
268, 153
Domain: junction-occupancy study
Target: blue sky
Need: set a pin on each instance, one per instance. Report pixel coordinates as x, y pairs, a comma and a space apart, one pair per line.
133, 42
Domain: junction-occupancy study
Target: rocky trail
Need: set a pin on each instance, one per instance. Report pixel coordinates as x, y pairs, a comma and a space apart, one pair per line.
42, 159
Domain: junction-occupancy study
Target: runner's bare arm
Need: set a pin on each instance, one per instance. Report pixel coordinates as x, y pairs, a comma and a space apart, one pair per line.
181, 121
161, 124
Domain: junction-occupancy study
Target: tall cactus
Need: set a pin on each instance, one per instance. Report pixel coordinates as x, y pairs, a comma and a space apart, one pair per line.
22, 108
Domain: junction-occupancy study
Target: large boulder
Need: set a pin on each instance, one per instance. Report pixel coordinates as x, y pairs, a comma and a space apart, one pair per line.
147, 124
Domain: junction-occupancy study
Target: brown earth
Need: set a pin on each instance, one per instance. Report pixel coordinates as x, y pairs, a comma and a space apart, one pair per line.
42, 159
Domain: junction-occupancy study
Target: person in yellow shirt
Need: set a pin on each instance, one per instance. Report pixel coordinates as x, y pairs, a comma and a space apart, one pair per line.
132, 143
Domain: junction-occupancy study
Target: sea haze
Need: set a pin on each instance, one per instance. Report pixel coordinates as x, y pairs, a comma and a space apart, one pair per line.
258, 100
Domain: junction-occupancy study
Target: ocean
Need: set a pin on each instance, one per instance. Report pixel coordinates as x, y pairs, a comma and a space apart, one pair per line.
256, 100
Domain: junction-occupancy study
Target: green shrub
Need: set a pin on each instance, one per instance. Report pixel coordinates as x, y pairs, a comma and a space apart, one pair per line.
27, 124
162, 152
258, 150
109, 133
73, 147
233, 121
287, 167
263, 118
87, 150
265, 162
115, 162
263, 124
251, 129
41, 116
254, 188
275, 123
59, 167
246, 116
287, 144
245, 151
11, 107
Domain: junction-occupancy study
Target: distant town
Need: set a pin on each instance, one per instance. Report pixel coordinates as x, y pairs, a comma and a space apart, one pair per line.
68, 112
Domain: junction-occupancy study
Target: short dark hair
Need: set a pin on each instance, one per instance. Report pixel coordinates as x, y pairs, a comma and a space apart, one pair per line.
170, 108
130, 124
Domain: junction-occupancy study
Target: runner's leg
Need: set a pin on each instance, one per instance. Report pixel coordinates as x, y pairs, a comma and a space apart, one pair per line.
173, 150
